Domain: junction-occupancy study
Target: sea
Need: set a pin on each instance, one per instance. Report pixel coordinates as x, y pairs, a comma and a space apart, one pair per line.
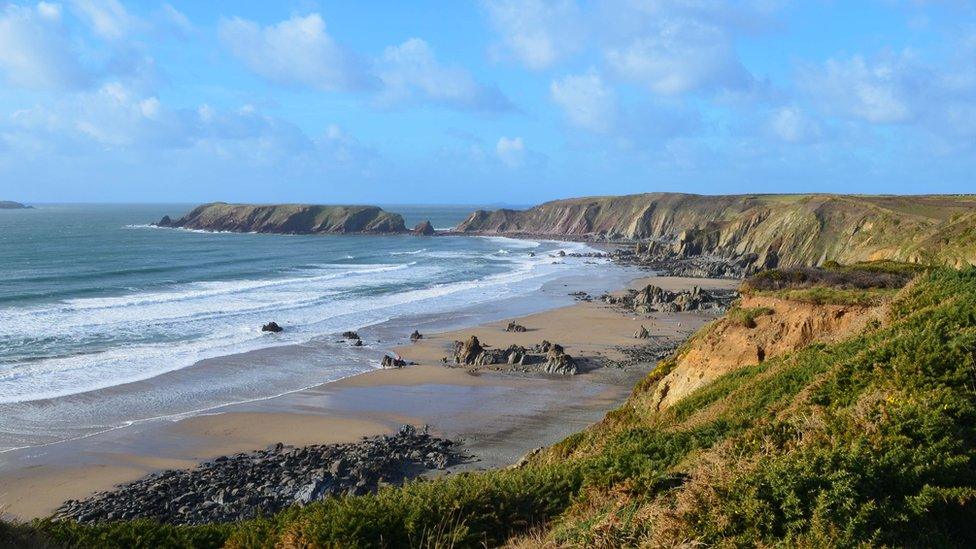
106, 321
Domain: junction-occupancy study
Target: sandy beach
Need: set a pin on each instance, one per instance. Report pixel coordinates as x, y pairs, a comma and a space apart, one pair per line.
499, 416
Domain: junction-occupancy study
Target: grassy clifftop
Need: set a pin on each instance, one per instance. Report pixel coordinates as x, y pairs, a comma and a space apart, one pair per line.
288, 218
869, 440
781, 230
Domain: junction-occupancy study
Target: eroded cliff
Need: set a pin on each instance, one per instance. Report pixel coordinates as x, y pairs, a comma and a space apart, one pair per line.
768, 230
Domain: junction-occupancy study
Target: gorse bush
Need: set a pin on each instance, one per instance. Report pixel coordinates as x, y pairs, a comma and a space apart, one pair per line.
865, 442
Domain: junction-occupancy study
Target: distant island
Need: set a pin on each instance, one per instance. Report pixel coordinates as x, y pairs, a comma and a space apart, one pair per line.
11, 205
288, 219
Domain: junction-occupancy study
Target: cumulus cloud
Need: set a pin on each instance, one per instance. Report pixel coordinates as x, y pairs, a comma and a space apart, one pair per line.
411, 73
877, 91
586, 101
792, 125
294, 52
35, 51
680, 55
117, 117
107, 18
537, 32
511, 151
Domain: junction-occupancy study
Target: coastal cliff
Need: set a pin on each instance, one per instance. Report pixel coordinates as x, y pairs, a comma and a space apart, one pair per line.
767, 230
288, 219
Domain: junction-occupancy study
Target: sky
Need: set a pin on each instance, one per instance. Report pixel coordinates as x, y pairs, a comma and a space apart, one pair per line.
494, 101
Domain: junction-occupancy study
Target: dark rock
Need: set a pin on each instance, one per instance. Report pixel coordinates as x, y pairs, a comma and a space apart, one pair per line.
642, 333
416, 336
350, 335
424, 229
392, 362
514, 327
244, 485
272, 327
467, 352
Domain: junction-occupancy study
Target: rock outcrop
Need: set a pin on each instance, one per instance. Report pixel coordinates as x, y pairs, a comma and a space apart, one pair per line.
653, 298
241, 486
760, 231
288, 219
272, 327
545, 357
424, 229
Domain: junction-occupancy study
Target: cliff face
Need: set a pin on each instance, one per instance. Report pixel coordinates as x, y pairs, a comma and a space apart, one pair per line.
774, 230
785, 326
288, 219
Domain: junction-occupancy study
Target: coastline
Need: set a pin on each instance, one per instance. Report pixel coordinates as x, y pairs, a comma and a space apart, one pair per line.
498, 416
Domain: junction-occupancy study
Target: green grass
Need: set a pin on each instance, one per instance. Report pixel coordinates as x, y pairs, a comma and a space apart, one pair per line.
866, 442
746, 317
819, 295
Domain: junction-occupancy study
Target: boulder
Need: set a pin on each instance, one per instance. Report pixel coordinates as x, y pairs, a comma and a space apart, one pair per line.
392, 362
424, 229
416, 336
514, 327
350, 335
272, 327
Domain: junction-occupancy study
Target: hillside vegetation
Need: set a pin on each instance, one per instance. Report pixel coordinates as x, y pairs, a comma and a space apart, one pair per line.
865, 440
774, 230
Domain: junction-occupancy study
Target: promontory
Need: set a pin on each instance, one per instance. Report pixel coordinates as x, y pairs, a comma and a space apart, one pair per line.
764, 230
288, 219
10, 205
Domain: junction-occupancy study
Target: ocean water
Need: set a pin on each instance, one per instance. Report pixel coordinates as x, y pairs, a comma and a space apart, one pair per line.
105, 320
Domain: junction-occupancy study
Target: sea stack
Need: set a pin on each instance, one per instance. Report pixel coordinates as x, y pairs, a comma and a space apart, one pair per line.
424, 229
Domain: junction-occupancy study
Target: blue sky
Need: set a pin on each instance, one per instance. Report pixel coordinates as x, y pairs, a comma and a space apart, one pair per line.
483, 102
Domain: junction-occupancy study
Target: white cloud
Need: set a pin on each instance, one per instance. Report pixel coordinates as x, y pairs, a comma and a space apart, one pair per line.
878, 92
586, 100
511, 151
107, 18
793, 126
175, 20
297, 51
680, 55
411, 73
35, 51
49, 10
537, 32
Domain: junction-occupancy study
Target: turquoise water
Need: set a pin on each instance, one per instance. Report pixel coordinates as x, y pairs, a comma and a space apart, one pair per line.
97, 305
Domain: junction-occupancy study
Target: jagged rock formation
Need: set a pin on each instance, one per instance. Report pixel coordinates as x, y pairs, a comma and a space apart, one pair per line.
653, 298
760, 231
11, 205
424, 229
549, 357
288, 219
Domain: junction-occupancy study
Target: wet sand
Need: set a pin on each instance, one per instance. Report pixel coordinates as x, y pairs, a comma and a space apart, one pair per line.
498, 415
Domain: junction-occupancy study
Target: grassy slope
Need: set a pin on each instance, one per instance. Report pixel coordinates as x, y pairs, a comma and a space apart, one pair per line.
869, 441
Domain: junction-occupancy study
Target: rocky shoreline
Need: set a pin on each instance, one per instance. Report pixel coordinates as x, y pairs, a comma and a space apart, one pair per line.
244, 485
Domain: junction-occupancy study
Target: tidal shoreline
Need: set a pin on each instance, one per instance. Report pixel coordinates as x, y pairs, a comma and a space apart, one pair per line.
498, 416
